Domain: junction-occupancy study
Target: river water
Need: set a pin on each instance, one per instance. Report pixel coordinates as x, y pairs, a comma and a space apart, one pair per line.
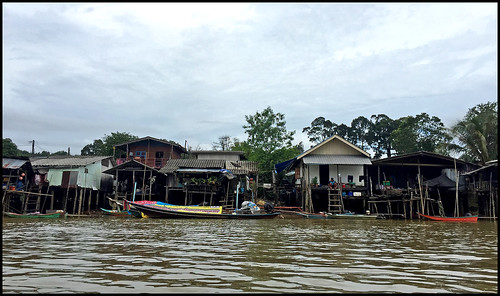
130, 255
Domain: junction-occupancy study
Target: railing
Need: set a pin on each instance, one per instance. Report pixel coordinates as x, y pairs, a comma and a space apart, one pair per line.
157, 163
481, 185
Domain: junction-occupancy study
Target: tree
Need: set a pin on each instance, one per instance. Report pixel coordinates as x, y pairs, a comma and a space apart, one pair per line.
61, 152
362, 132
382, 129
268, 140
9, 148
94, 149
225, 143
419, 133
477, 134
320, 130
105, 147
343, 131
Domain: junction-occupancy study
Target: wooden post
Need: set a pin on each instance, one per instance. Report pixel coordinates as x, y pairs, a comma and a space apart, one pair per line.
52, 203
90, 199
456, 212
411, 205
74, 202
492, 200
80, 202
420, 192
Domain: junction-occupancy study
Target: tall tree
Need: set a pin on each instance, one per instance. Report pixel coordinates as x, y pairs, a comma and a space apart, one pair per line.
361, 132
419, 133
382, 129
343, 131
267, 139
477, 133
320, 130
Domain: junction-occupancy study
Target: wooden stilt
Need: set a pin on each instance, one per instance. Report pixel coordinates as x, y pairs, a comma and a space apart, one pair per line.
74, 202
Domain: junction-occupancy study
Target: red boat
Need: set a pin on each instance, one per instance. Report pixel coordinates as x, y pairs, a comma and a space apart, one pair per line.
451, 219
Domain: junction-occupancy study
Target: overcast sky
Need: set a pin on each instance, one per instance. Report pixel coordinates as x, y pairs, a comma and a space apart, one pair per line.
73, 73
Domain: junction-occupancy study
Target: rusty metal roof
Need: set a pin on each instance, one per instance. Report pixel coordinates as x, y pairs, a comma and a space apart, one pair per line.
12, 163
237, 167
68, 161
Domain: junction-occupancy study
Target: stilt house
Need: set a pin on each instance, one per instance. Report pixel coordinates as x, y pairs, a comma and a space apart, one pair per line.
333, 158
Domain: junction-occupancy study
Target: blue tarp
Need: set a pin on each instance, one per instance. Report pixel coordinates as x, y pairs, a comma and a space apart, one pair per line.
284, 165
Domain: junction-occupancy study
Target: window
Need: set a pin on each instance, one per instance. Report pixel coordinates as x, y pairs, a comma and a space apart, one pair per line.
141, 154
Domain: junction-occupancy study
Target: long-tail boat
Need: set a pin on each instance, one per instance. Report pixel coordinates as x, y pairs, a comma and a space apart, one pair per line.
54, 215
162, 210
451, 219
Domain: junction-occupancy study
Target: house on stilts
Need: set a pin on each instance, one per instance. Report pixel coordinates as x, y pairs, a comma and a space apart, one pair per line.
312, 170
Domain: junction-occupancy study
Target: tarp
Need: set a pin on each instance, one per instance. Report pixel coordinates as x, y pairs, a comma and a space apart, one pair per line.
279, 167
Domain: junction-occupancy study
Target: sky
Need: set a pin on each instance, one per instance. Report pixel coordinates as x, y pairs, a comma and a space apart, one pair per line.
191, 72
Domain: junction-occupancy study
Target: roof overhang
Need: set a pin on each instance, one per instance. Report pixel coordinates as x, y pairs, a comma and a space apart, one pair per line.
197, 170
336, 159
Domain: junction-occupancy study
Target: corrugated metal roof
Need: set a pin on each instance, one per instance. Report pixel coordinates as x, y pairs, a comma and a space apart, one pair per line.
67, 161
242, 167
237, 167
173, 164
12, 163
336, 159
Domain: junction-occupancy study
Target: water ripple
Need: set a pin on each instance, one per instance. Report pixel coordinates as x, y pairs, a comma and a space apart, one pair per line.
116, 255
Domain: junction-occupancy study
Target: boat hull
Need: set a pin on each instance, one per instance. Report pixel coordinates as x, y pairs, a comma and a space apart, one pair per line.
353, 216
116, 213
152, 211
55, 215
451, 219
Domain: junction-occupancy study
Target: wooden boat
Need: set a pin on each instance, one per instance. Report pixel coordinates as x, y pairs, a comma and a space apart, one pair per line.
116, 213
353, 216
161, 210
451, 219
312, 215
54, 215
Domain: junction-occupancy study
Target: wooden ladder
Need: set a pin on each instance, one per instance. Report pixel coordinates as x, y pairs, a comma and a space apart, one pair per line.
335, 202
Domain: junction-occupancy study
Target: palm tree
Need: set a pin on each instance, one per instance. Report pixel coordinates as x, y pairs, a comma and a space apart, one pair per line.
477, 134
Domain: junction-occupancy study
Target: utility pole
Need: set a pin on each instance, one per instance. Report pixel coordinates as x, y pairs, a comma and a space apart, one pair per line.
33, 148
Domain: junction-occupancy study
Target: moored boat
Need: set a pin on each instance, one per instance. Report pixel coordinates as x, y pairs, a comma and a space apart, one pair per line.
451, 219
162, 210
55, 215
353, 216
116, 213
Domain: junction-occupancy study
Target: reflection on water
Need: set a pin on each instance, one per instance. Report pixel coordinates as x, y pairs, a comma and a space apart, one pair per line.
128, 255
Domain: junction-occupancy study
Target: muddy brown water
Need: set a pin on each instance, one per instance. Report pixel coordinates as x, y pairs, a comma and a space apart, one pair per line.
131, 255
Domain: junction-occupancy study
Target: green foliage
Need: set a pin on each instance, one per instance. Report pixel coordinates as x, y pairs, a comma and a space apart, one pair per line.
268, 141
477, 134
95, 148
320, 130
61, 152
362, 132
104, 147
419, 133
9, 148
382, 129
